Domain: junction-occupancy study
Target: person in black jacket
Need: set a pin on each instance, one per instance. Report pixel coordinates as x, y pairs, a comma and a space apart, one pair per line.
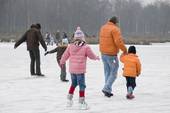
60, 50
33, 37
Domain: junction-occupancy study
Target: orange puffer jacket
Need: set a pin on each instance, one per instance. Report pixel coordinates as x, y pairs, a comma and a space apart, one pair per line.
132, 65
110, 40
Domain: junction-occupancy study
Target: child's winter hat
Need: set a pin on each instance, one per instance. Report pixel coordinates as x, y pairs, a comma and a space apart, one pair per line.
132, 49
114, 20
65, 41
79, 34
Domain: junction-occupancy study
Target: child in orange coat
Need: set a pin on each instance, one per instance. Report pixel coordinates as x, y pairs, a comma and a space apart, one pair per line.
131, 70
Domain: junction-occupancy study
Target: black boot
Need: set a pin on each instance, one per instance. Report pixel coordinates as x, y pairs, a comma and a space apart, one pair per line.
33, 74
42, 75
65, 80
107, 94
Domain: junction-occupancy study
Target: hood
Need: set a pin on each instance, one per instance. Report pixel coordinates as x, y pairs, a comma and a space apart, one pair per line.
77, 45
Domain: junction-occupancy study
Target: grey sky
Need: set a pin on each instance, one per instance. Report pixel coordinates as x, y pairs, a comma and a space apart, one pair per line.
150, 1
147, 1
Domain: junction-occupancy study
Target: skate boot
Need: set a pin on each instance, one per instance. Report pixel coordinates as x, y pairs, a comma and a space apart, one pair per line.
130, 93
69, 100
107, 94
82, 104
130, 96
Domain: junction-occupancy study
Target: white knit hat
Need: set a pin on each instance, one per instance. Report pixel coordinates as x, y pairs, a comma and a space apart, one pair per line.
79, 34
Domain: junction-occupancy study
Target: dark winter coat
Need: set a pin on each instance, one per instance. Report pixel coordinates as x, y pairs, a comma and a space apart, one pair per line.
32, 37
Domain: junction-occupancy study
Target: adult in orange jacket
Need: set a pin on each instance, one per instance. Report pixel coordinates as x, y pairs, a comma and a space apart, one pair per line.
110, 41
132, 69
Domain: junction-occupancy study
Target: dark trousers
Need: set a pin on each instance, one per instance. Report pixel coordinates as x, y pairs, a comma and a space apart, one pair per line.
63, 71
131, 82
35, 59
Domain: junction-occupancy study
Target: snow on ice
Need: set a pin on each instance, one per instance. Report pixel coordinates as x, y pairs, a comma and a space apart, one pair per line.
21, 93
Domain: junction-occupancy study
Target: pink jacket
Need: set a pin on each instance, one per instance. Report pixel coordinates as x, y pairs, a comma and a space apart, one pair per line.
77, 58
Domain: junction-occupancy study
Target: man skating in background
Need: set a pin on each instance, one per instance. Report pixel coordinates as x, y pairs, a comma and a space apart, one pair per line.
33, 37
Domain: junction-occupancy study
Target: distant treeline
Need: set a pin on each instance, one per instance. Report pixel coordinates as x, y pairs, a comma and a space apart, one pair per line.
139, 40
136, 19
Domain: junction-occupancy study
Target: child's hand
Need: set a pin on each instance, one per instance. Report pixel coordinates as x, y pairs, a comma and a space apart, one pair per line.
124, 53
97, 58
62, 66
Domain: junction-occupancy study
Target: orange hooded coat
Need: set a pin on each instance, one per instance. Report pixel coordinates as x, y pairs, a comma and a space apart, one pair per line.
132, 65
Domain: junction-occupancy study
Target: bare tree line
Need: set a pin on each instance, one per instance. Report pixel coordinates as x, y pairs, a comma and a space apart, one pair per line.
135, 19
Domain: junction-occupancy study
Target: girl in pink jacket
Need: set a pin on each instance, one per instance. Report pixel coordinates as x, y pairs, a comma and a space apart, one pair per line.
77, 53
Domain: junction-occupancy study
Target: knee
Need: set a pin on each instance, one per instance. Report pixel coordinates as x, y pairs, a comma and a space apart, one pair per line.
74, 85
82, 87
114, 76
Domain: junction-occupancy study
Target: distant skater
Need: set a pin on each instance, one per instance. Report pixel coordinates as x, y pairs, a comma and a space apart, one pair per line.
131, 70
33, 37
58, 37
47, 38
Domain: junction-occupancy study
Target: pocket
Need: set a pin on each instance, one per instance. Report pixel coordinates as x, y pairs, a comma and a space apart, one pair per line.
115, 63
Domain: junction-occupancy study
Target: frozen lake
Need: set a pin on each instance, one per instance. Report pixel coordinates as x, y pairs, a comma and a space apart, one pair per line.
21, 93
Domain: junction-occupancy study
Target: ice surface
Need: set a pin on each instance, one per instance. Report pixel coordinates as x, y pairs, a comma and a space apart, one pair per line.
21, 93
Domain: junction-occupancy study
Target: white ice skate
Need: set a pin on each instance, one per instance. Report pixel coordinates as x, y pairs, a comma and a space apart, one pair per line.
69, 103
83, 106
69, 100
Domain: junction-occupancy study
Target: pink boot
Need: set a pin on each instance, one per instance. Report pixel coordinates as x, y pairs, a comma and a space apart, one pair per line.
130, 96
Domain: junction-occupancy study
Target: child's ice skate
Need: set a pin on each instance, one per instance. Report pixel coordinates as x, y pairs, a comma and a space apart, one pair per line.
69, 103
69, 100
130, 93
82, 104
130, 96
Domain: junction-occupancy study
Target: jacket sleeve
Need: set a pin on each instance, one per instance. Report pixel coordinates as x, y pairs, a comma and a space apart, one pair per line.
118, 40
65, 56
41, 40
138, 67
54, 50
122, 57
90, 53
21, 40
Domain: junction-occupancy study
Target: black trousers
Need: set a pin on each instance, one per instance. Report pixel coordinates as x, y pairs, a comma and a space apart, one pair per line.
131, 81
35, 59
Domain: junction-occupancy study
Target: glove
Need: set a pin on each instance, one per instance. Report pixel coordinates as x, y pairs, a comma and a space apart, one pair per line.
45, 49
46, 53
62, 66
138, 75
15, 46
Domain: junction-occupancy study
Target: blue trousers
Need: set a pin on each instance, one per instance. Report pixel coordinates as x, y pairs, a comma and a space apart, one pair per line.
111, 65
78, 80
